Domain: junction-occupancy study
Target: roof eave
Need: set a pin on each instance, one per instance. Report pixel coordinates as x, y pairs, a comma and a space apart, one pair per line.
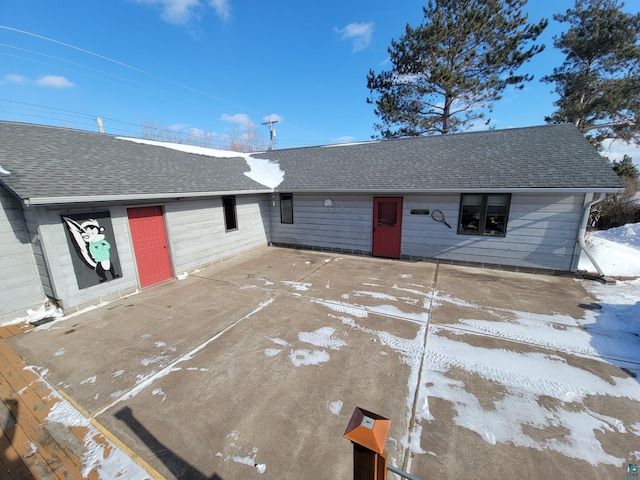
416, 191
41, 201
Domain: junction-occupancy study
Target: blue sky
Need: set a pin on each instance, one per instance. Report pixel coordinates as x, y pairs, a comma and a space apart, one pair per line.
217, 66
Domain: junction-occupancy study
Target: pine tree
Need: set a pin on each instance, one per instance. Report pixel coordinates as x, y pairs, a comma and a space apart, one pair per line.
626, 168
450, 69
599, 81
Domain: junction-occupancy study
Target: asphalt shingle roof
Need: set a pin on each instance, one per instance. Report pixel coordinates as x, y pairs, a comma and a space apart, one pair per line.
550, 156
51, 162
48, 162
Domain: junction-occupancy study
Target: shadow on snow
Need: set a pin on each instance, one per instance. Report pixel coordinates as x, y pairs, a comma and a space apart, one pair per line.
615, 334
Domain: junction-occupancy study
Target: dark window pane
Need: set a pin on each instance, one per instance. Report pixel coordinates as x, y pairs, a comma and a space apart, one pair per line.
229, 205
484, 214
387, 214
286, 208
471, 213
497, 206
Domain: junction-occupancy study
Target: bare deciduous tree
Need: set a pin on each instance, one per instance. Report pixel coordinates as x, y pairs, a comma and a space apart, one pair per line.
246, 138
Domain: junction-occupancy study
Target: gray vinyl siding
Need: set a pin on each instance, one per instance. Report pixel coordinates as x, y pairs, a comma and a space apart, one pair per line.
20, 287
57, 254
541, 234
197, 235
38, 255
345, 226
541, 230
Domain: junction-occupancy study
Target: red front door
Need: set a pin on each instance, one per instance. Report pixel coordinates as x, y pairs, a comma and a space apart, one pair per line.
149, 244
387, 226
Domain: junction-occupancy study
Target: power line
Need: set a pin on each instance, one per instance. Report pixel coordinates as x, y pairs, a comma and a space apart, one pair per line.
61, 117
46, 111
272, 132
131, 67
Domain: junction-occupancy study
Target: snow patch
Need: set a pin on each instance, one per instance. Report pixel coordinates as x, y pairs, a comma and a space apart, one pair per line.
376, 295
145, 362
335, 407
279, 341
624, 263
348, 144
265, 172
209, 152
302, 357
628, 234
344, 307
300, 286
46, 311
100, 454
159, 391
322, 338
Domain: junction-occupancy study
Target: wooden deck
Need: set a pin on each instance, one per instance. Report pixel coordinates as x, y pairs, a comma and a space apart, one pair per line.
29, 449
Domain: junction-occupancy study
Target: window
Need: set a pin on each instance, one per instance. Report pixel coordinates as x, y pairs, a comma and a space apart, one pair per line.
387, 214
230, 220
286, 208
482, 214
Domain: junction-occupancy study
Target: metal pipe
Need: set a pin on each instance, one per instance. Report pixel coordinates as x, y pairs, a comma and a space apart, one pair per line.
583, 228
402, 473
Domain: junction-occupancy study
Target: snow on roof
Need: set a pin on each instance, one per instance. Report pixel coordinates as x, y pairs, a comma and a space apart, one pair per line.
4, 170
350, 144
264, 171
210, 152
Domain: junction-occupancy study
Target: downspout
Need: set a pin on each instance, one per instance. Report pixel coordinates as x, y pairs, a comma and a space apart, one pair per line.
583, 228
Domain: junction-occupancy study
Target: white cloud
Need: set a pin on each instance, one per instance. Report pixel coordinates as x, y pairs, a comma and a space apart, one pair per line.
360, 33
14, 78
222, 8
176, 127
181, 12
54, 81
241, 119
274, 117
344, 139
198, 132
178, 12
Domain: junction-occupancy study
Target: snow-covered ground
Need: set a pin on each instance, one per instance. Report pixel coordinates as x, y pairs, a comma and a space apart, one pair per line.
607, 333
617, 251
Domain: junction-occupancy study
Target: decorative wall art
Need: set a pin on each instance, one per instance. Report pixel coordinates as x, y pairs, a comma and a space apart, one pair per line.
93, 250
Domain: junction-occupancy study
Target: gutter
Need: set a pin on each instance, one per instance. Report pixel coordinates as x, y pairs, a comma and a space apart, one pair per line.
35, 201
30, 202
374, 191
583, 228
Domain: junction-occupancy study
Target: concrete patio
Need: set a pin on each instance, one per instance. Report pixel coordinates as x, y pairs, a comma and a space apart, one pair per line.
251, 368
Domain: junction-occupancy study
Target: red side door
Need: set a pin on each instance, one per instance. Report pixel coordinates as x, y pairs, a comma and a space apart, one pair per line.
149, 244
387, 226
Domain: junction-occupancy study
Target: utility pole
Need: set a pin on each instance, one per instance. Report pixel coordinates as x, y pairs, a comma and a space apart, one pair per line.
272, 133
